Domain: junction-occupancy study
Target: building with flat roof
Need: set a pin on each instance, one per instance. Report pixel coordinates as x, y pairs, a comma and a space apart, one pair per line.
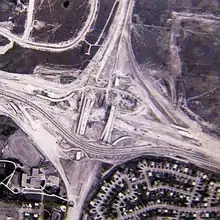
35, 172
24, 179
35, 182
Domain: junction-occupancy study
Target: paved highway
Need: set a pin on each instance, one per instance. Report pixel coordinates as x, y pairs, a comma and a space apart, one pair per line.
109, 153
156, 138
164, 108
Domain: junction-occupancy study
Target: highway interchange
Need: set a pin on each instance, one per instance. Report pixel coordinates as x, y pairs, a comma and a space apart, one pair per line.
170, 133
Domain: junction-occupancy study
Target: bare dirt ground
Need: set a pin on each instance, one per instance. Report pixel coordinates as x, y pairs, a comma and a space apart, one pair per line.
20, 147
